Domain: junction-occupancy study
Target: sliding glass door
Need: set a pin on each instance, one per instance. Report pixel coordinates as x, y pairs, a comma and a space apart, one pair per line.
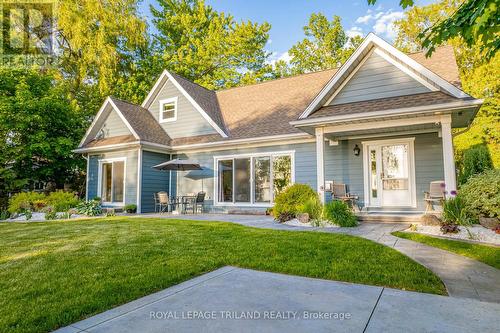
253, 179
113, 181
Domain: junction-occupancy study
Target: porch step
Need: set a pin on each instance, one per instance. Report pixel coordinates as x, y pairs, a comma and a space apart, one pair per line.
388, 218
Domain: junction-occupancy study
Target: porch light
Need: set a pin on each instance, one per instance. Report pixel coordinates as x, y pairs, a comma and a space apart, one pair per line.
356, 150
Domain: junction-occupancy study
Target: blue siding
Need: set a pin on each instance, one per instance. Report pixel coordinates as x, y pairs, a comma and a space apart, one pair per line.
130, 177
195, 181
342, 166
153, 180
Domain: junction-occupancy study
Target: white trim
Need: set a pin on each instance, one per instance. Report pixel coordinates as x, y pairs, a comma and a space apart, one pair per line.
99, 114
406, 70
410, 141
284, 138
348, 78
251, 156
448, 155
99, 179
167, 101
87, 179
139, 180
146, 145
320, 164
453, 106
152, 93
373, 40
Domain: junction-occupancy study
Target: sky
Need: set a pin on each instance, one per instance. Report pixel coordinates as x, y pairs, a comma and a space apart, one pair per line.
287, 17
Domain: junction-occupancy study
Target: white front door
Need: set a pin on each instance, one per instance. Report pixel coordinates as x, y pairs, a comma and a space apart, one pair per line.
389, 173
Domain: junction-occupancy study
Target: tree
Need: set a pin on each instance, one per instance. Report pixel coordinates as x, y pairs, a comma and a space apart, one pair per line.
326, 45
479, 76
96, 41
477, 22
209, 47
38, 130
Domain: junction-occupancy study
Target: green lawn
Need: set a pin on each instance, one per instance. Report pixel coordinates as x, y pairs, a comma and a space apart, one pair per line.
55, 273
488, 254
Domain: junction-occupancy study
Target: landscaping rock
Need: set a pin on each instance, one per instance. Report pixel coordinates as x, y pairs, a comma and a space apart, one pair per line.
303, 218
489, 222
430, 219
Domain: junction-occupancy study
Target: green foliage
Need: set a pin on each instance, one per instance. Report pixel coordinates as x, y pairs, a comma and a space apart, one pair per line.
89, 208
39, 128
207, 46
326, 46
65, 215
339, 213
50, 214
475, 160
313, 207
28, 214
23, 201
291, 199
455, 212
62, 201
131, 208
481, 194
4, 215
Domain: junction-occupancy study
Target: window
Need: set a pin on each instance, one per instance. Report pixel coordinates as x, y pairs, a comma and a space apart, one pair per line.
252, 179
112, 181
168, 110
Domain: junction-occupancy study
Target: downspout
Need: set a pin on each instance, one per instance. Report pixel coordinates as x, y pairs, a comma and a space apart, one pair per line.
139, 180
87, 177
170, 179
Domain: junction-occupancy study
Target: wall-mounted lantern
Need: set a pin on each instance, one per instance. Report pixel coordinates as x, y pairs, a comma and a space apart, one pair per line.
356, 150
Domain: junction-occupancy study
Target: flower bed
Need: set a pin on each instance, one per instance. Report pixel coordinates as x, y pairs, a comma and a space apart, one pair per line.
478, 233
39, 217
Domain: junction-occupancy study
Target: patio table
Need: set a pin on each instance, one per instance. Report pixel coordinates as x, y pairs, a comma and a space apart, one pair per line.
183, 200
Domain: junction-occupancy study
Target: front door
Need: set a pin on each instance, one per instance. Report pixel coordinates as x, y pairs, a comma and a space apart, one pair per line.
389, 173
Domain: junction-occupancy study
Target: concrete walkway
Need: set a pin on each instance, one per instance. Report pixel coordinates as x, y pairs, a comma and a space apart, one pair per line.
239, 300
462, 276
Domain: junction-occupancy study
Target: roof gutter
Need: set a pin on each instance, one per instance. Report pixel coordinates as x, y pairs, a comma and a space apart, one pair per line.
120, 146
454, 106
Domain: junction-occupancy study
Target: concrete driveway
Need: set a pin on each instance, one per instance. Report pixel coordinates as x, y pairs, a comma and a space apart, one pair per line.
234, 299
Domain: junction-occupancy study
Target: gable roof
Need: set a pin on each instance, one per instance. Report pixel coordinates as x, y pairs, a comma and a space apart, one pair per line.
405, 63
139, 121
267, 109
203, 100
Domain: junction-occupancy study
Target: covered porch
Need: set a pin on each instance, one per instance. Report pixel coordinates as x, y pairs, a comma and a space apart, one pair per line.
387, 163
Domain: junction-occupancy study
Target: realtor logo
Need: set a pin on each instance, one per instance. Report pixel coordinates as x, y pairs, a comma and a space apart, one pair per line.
28, 29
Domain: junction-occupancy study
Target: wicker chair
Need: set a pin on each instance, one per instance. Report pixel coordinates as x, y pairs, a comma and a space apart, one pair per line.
164, 202
339, 192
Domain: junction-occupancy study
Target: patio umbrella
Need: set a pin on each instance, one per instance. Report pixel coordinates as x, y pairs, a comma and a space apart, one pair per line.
203, 173
177, 165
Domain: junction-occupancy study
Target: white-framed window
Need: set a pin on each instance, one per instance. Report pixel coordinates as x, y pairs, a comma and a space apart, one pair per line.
111, 180
168, 110
252, 179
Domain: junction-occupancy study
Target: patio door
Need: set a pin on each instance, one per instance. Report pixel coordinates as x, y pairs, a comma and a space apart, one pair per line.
389, 173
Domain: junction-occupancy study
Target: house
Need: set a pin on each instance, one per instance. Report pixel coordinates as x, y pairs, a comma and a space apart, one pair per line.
382, 124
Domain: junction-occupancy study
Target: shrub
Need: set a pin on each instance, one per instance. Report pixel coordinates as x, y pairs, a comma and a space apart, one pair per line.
130, 208
50, 214
4, 215
339, 213
454, 211
28, 214
65, 215
39, 205
476, 160
284, 217
23, 201
89, 208
451, 228
313, 207
291, 199
62, 201
481, 194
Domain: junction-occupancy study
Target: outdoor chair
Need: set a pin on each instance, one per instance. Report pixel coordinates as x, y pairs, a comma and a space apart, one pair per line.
195, 202
157, 203
436, 195
339, 192
164, 202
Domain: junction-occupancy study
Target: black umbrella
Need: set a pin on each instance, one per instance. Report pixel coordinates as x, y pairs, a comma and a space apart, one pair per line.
178, 165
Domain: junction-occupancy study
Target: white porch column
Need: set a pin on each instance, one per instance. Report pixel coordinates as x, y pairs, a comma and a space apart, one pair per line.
450, 178
320, 166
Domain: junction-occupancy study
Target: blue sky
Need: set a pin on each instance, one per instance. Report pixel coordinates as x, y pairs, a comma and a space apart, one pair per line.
288, 17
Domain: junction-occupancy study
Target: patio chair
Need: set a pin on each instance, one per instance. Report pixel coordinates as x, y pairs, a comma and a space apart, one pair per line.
157, 202
164, 202
194, 202
435, 195
339, 192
